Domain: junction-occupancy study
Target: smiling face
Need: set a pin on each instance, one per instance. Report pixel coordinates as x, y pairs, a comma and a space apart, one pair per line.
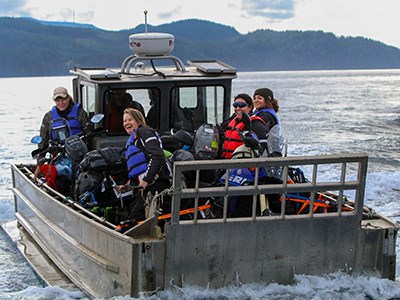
240, 106
130, 124
260, 102
62, 103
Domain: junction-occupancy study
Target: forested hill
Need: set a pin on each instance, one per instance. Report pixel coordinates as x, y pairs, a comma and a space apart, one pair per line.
29, 47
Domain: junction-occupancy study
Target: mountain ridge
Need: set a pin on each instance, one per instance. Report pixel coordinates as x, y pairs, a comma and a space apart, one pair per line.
32, 47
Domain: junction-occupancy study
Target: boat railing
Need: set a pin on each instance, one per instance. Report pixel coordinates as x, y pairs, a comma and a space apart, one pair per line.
333, 177
128, 62
62, 198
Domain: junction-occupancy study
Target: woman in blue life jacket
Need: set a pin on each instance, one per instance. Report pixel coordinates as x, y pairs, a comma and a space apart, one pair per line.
231, 127
266, 107
64, 110
64, 113
147, 166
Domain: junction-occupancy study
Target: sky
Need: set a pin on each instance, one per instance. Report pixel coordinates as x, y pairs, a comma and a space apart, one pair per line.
377, 20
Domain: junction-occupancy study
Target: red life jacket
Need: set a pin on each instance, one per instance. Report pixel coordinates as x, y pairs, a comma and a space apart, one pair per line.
232, 138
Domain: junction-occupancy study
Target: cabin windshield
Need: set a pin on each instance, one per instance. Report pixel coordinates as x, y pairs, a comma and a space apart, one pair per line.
165, 106
116, 100
193, 106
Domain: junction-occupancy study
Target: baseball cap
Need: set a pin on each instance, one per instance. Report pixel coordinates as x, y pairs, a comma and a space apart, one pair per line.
60, 92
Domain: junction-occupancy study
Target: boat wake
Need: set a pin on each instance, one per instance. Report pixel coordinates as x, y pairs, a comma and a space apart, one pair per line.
331, 286
47, 293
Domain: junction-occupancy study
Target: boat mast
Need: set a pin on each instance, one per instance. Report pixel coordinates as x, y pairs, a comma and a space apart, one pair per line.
145, 21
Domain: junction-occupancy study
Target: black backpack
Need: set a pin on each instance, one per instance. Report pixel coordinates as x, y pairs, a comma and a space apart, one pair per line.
111, 160
93, 185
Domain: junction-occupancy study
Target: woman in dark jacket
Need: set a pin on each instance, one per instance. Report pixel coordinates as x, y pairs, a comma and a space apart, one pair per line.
156, 175
147, 166
266, 107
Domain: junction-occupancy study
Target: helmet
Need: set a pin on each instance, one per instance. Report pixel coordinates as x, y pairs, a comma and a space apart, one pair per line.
183, 137
181, 155
242, 152
207, 140
75, 148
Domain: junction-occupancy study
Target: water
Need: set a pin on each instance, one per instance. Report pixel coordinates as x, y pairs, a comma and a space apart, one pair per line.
321, 112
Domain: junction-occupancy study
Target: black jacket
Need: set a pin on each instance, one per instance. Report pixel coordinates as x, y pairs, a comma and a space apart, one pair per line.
149, 142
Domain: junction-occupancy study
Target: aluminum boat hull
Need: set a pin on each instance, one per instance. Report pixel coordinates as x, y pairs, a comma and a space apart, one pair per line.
217, 252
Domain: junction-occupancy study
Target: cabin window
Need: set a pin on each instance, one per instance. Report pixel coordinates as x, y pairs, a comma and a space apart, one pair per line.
149, 99
188, 97
194, 106
116, 100
89, 99
215, 104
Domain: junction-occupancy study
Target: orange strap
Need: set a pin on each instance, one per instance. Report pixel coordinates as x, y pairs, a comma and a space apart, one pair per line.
185, 211
323, 204
306, 203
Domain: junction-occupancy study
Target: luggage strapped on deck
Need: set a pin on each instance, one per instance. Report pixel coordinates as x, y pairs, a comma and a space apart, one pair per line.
100, 171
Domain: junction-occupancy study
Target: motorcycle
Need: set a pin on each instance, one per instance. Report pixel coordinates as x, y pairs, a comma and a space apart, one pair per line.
59, 162
241, 206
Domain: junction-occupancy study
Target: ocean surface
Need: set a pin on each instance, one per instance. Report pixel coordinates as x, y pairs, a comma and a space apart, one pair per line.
321, 112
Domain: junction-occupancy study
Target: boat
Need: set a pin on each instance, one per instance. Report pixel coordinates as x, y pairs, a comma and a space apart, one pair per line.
70, 245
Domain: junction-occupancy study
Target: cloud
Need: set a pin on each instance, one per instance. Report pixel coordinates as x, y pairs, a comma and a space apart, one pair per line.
169, 15
84, 16
13, 7
270, 9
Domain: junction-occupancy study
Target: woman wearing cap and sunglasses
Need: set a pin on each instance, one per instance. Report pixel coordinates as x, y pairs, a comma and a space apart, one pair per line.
242, 104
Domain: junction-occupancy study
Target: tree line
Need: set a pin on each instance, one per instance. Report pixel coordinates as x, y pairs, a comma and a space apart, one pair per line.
29, 47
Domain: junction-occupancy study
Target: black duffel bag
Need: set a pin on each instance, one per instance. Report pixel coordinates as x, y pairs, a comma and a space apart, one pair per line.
110, 160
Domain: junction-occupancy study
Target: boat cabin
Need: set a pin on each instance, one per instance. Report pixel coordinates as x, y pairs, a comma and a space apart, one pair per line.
171, 95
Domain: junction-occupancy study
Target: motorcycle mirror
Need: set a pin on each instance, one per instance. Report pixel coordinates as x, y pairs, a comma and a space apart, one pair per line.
36, 139
246, 121
97, 118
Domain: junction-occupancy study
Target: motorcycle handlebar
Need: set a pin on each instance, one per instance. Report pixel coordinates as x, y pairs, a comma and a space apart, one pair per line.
40, 152
251, 142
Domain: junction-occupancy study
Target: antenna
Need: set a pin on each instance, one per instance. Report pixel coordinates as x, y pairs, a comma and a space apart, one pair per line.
145, 21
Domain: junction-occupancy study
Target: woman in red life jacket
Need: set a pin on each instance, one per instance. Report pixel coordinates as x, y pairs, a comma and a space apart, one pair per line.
242, 104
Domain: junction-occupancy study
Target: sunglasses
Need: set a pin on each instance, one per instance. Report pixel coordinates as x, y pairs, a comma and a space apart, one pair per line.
239, 104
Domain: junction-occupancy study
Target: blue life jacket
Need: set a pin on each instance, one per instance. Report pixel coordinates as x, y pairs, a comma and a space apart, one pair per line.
135, 158
268, 110
74, 125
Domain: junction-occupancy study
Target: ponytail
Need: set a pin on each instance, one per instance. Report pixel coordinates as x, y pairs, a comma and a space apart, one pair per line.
275, 105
